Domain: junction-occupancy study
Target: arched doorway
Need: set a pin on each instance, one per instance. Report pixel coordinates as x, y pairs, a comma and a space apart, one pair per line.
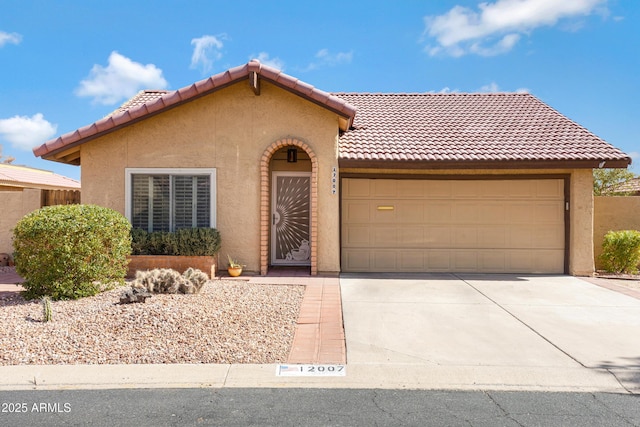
287, 168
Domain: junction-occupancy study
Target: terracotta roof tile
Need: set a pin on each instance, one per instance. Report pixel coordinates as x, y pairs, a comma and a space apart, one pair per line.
151, 101
22, 176
465, 127
402, 127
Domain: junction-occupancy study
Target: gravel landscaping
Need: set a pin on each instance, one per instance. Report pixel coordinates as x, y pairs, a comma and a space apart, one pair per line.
227, 322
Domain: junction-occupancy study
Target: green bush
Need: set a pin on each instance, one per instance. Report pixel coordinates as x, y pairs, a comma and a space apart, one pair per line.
621, 251
187, 241
71, 251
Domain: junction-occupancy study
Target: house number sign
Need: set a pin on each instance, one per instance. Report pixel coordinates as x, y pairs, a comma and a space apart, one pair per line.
311, 370
334, 180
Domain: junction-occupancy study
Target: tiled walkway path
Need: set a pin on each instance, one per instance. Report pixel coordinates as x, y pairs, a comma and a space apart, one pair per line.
319, 336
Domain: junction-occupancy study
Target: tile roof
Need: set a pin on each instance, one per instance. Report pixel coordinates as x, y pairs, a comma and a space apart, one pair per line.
466, 128
630, 186
437, 130
138, 109
23, 176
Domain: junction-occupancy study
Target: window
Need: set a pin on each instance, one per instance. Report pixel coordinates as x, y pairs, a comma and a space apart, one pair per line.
170, 199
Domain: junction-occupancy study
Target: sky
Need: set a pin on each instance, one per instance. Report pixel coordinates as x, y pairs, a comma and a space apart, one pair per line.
65, 64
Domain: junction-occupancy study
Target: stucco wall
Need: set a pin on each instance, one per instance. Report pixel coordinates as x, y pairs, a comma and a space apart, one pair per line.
15, 205
228, 130
581, 205
612, 214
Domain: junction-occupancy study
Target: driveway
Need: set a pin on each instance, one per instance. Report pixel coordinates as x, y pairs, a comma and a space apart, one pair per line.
524, 325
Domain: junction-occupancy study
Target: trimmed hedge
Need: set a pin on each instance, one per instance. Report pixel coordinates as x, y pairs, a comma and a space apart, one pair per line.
71, 251
621, 251
202, 241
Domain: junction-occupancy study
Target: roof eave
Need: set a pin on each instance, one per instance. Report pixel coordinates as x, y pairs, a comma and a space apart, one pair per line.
483, 164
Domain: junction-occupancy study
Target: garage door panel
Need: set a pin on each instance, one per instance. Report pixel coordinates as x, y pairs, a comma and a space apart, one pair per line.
548, 212
357, 260
384, 188
411, 190
490, 236
410, 237
464, 213
384, 237
357, 236
438, 189
468, 226
549, 237
549, 189
438, 212
519, 212
357, 212
357, 188
466, 190
410, 212
412, 260
491, 213
465, 237
438, 237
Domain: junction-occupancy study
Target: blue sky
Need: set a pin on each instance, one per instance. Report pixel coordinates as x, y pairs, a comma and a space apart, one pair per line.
66, 64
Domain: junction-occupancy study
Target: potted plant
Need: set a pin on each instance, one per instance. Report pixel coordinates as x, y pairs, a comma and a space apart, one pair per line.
235, 268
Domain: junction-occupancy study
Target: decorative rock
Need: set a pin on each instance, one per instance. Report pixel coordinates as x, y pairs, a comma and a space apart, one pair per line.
132, 295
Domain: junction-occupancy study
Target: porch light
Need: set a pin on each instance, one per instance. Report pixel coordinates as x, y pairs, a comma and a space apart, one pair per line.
292, 155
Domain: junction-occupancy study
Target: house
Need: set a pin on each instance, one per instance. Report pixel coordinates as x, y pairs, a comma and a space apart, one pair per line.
627, 188
24, 189
349, 182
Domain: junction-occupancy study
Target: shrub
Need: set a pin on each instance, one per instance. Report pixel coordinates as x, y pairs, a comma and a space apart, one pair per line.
621, 251
168, 281
187, 241
71, 251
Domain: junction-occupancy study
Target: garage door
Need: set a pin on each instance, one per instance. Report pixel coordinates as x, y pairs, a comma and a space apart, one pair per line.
488, 226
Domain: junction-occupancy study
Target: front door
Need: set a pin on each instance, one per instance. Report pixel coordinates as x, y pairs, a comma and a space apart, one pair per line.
290, 219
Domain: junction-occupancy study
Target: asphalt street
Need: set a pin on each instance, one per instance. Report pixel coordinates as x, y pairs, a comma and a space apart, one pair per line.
315, 407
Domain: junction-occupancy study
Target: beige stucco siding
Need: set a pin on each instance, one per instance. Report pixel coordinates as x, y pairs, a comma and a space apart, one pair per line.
228, 130
16, 204
581, 204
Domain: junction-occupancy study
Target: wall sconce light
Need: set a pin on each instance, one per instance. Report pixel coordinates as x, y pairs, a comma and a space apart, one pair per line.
292, 155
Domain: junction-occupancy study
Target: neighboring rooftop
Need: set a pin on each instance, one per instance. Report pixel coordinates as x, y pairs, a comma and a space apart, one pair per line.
23, 176
630, 187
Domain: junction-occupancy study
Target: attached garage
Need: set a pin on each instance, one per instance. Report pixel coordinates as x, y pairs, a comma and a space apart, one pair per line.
504, 225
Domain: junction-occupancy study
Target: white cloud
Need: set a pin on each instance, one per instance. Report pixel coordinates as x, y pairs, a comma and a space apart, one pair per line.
325, 58
445, 90
119, 80
6, 38
25, 132
206, 51
263, 57
491, 87
462, 30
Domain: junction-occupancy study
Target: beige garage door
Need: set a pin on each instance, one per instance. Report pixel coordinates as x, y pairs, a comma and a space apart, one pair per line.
488, 226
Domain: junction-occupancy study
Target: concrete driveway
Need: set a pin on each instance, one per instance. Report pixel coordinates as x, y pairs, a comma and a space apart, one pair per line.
557, 332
